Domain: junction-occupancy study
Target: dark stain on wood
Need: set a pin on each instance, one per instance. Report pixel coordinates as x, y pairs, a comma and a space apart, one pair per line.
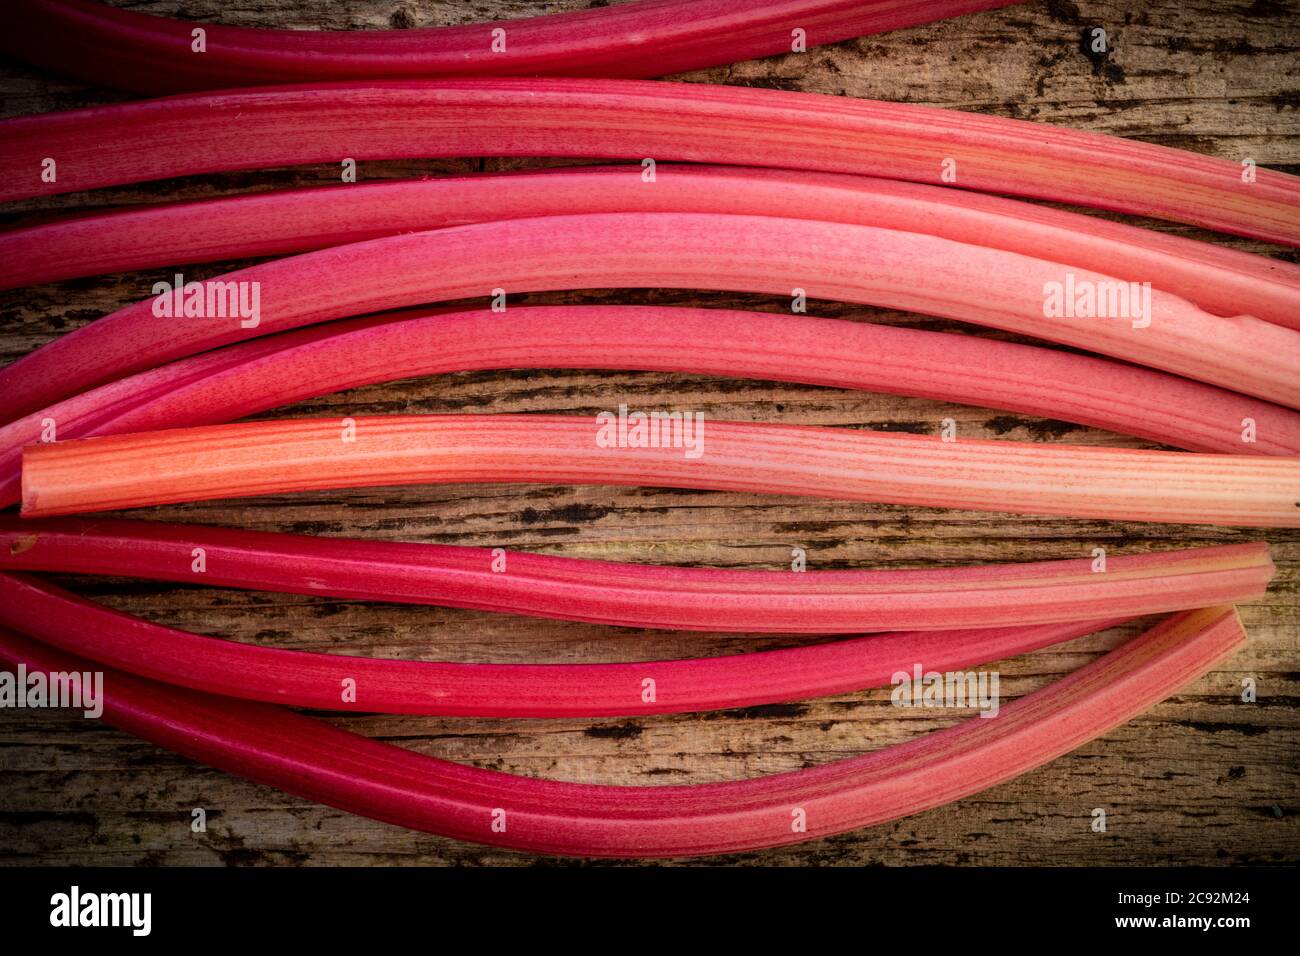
624, 731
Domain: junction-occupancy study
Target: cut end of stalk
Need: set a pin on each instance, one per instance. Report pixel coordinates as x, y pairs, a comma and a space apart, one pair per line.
29, 505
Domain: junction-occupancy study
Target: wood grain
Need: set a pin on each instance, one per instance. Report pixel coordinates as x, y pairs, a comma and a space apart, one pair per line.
1201, 779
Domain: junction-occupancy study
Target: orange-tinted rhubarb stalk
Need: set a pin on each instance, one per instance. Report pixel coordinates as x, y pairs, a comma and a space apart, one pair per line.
270, 457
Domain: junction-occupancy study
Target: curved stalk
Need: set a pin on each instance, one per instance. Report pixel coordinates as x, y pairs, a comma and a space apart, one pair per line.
838, 261
313, 760
375, 685
634, 595
151, 54
1219, 280
631, 119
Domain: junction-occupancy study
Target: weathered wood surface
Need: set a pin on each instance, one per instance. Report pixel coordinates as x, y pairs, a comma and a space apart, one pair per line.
1202, 778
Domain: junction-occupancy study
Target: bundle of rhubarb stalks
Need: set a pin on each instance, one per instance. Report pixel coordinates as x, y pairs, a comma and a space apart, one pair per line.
705, 188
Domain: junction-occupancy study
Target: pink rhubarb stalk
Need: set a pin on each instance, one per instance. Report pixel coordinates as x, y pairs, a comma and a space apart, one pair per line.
272, 457
1219, 280
631, 119
304, 679
239, 380
839, 261
313, 760
633, 595
150, 54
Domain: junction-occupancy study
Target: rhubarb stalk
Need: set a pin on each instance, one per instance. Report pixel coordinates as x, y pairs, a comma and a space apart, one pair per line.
151, 54
272, 457
630, 119
838, 261
1219, 280
634, 595
304, 679
313, 760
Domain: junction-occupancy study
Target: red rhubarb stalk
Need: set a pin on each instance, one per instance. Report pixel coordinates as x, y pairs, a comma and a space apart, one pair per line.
230, 383
1219, 280
304, 679
631, 119
313, 760
272, 457
150, 54
634, 595
838, 261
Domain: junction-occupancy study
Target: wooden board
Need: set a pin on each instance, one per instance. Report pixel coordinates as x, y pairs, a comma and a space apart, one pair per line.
1200, 779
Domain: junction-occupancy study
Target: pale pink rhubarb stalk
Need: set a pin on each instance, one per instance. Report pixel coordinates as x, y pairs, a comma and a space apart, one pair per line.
304, 679
1219, 280
226, 384
838, 261
272, 457
150, 54
634, 595
631, 119
313, 760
